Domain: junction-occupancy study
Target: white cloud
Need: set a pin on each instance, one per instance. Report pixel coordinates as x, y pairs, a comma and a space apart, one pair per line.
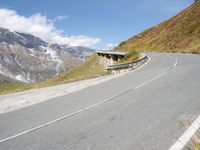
110, 46
39, 25
62, 17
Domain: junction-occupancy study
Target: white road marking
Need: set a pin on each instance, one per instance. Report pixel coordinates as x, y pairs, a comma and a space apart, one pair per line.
23, 99
187, 135
147, 82
84, 109
62, 118
156, 77
54, 121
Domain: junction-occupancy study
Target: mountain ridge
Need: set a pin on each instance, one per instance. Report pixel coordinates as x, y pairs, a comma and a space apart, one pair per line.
180, 33
28, 59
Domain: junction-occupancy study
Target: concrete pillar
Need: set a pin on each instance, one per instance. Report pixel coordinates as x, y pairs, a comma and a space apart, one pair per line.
111, 60
107, 59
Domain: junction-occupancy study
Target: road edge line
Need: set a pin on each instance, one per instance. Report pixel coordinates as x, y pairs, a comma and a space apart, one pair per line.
186, 136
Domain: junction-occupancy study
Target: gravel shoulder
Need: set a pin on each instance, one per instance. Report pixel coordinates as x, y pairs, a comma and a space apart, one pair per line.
19, 100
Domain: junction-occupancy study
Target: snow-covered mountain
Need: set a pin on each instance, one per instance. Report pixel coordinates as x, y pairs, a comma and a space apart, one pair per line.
29, 59
77, 51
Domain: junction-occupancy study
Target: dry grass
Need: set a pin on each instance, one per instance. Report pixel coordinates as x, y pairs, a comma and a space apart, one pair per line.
89, 69
130, 56
13, 88
180, 33
194, 143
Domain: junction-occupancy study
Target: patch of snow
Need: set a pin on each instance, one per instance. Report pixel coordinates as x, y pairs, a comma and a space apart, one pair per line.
53, 57
18, 35
31, 50
52, 53
29, 79
20, 78
60, 63
82, 59
32, 53
6, 73
47, 53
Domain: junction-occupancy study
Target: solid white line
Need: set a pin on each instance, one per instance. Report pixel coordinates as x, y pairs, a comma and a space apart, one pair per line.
153, 79
62, 118
187, 135
149, 59
156, 77
54, 121
84, 109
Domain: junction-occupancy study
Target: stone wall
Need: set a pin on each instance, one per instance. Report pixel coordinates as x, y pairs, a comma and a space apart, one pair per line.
105, 61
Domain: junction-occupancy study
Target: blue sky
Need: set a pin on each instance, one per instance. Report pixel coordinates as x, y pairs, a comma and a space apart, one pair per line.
101, 23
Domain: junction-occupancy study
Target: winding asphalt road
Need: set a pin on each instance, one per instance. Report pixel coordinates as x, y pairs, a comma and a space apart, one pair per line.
141, 110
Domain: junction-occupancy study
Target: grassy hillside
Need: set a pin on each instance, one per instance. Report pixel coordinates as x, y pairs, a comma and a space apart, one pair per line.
132, 55
89, 69
180, 33
12, 88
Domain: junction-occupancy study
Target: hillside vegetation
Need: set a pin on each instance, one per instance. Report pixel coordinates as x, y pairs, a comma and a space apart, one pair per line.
180, 33
132, 55
89, 69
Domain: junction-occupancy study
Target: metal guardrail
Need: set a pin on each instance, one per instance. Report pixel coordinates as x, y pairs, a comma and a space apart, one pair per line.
122, 53
132, 64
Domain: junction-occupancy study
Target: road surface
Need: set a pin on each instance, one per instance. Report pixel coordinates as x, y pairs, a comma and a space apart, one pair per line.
141, 110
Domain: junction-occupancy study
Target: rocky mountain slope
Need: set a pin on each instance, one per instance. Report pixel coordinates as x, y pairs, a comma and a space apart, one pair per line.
28, 59
180, 33
7, 80
77, 51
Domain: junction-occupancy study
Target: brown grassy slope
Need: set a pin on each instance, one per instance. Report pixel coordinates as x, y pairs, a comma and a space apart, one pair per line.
180, 33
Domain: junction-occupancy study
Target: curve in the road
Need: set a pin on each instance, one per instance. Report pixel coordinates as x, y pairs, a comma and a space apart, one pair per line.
145, 114
89, 107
